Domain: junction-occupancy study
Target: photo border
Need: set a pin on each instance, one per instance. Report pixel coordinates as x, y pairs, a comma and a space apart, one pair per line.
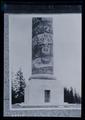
7, 83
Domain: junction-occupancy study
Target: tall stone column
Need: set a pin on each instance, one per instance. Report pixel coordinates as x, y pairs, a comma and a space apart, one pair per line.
42, 46
42, 79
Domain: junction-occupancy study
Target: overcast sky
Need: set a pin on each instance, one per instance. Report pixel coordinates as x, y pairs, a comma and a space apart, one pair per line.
66, 41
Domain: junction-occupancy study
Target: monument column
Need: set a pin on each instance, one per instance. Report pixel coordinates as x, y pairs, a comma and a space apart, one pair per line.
44, 89
42, 47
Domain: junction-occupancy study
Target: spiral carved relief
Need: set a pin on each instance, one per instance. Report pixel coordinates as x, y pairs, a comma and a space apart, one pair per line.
42, 46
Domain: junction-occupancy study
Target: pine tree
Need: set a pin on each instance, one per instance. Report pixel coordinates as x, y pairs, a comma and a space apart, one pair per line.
71, 100
18, 85
66, 95
70, 96
22, 85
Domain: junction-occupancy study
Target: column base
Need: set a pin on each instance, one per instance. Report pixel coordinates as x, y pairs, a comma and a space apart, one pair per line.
36, 92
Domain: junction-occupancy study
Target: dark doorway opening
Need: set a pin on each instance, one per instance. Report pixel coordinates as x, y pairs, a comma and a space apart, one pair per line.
47, 95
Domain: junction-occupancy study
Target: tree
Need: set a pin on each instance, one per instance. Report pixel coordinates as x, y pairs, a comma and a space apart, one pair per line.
66, 94
77, 98
70, 96
18, 85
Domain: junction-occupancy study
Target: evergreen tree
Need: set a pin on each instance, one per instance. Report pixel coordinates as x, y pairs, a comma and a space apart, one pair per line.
18, 85
21, 85
75, 97
66, 95
70, 96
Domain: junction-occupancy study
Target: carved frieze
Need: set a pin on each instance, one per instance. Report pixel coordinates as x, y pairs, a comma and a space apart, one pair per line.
42, 46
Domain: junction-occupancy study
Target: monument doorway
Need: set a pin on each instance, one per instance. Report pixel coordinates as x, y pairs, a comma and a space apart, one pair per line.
47, 95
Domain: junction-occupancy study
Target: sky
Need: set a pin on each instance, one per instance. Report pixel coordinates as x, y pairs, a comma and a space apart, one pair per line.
66, 46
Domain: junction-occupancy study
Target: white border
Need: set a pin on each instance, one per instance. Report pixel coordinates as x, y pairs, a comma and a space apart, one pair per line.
10, 103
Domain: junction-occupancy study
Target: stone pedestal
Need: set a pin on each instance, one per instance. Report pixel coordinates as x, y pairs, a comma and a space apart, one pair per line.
36, 93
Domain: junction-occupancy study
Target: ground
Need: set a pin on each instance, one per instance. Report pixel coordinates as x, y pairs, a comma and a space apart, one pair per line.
66, 105
67, 110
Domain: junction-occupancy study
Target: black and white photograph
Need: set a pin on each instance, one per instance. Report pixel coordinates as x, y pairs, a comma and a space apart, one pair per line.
43, 55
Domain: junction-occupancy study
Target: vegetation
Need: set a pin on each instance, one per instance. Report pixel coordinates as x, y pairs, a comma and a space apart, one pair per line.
18, 85
70, 96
